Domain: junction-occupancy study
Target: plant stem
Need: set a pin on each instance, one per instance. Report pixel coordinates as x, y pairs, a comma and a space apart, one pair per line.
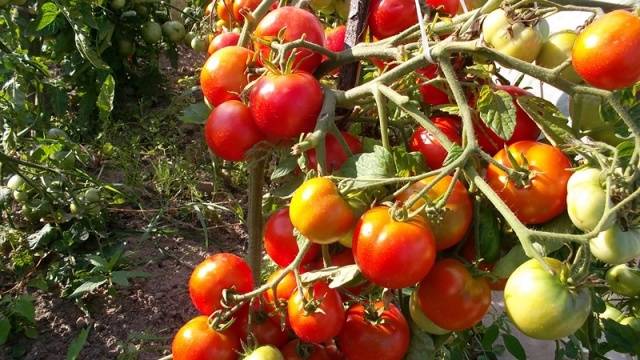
254, 216
382, 115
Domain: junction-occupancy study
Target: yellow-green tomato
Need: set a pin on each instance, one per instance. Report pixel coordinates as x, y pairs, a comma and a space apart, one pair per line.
541, 304
513, 39
421, 319
586, 199
118, 4
624, 280
174, 31
615, 246
199, 44
151, 32
16, 182
265, 353
556, 50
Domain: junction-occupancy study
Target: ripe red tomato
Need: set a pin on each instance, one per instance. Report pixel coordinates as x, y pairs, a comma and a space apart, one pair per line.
285, 288
230, 131
334, 38
280, 243
431, 94
451, 297
319, 212
383, 335
432, 151
525, 129
267, 330
457, 212
216, 273
606, 52
449, 7
224, 74
391, 253
296, 350
197, 341
224, 10
297, 23
335, 156
322, 323
390, 17
546, 195
275, 112
223, 40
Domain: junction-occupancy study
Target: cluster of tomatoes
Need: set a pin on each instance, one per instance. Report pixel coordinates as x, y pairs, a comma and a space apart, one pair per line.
267, 93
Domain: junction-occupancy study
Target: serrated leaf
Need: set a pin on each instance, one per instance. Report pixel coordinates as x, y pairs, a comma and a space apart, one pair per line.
195, 113
87, 287
421, 345
552, 122
5, 328
344, 275
450, 109
105, 98
284, 167
122, 277
48, 14
514, 347
376, 164
42, 237
497, 111
408, 164
77, 344
453, 154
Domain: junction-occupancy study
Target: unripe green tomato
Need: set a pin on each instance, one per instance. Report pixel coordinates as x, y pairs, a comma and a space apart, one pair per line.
631, 321
142, 10
21, 196
342, 8
327, 10
118, 4
55, 133
151, 32
199, 44
126, 47
16, 182
74, 208
420, 319
321, 4
266, 352
18, 2
188, 37
556, 50
26, 211
585, 206
615, 246
585, 176
624, 280
92, 195
40, 208
174, 31
517, 40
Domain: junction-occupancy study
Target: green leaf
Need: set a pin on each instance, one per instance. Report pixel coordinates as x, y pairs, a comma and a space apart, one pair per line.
552, 122
489, 337
421, 346
98, 261
408, 164
509, 262
42, 237
23, 307
87, 287
621, 338
488, 241
625, 151
285, 167
514, 347
377, 164
77, 344
497, 111
344, 275
195, 113
5, 328
105, 98
48, 14
122, 277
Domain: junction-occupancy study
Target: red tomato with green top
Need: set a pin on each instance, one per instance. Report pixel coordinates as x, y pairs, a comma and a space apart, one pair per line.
321, 323
197, 341
426, 143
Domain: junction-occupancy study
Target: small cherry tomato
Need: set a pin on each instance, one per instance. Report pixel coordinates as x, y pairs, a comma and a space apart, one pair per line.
197, 341
426, 143
230, 131
280, 243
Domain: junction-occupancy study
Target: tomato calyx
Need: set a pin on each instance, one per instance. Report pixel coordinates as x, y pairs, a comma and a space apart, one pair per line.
311, 302
222, 319
519, 172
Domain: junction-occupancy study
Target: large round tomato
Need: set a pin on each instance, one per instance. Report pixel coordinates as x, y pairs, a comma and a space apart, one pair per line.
285, 288
541, 305
285, 105
426, 143
294, 23
420, 319
335, 155
431, 94
511, 38
586, 198
451, 225
389, 17
296, 350
525, 129
320, 320
606, 52
452, 298
197, 341
373, 332
624, 280
615, 245
223, 40
545, 195
392, 253
214, 274
319, 212
280, 242
267, 330
230, 131
224, 75
449, 7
